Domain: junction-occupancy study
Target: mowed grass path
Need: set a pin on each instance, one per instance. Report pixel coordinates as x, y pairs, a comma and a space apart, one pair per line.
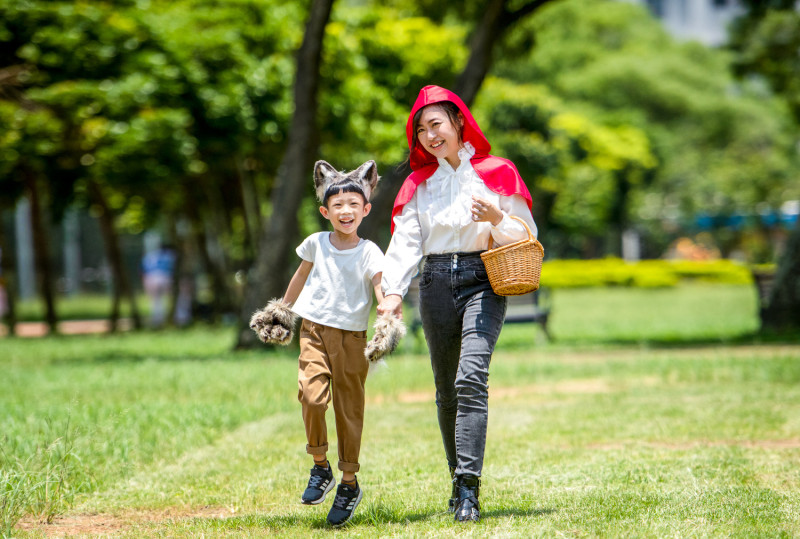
176, 437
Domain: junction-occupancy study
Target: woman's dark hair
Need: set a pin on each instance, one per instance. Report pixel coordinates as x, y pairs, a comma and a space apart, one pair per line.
452, 112
347, 186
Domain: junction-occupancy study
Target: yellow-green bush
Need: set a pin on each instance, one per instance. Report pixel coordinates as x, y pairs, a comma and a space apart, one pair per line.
645, 274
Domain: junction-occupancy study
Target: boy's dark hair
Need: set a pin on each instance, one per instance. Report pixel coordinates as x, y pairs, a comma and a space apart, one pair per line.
347, 186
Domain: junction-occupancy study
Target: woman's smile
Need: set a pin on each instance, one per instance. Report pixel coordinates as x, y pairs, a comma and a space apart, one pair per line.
438, 135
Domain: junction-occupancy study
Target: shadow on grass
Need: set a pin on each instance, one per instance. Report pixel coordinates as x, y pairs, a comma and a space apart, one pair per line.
513, 512
747, 339
374, 515
666, 342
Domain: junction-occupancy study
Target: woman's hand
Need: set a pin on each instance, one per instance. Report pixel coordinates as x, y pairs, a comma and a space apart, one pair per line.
392, 304
484, 211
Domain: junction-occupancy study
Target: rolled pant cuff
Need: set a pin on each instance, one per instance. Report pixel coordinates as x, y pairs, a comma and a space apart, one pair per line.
349, 466
321, 450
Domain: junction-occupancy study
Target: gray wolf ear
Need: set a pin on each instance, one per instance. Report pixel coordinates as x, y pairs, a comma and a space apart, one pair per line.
324, 175
368, 175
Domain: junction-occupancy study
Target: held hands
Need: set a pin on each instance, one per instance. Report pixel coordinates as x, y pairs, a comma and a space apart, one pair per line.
274, 324
484, 211
391, 304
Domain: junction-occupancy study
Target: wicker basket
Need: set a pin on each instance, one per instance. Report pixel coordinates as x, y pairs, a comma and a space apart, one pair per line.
514, 269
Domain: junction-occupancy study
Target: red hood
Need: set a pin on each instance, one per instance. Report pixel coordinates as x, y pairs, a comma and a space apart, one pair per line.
420, 157
500, 175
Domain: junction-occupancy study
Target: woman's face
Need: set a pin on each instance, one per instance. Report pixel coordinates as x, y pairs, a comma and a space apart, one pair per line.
438, 135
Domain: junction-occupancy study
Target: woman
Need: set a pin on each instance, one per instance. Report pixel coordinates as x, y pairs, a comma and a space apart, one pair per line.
456, 198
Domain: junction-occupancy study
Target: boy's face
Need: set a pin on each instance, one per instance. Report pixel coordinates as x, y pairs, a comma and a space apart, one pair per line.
345, 211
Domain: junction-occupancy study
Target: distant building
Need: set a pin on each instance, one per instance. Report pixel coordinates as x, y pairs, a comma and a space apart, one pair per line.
705, 21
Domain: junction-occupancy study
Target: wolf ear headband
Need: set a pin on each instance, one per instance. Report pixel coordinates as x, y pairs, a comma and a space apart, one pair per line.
325, 176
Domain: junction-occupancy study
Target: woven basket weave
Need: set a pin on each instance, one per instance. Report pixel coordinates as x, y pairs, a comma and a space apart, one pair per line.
514, 269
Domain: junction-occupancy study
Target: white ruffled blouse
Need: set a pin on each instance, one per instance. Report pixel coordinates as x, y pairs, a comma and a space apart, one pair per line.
438, 220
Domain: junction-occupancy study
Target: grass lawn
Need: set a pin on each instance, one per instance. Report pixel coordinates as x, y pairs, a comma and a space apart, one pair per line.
605, 432
79, 307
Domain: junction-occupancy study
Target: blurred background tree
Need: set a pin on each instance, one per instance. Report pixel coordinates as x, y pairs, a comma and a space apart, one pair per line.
766, 43
179, 116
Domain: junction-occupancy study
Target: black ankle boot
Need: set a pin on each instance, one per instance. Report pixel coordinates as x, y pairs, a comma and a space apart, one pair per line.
467, 507
451, 507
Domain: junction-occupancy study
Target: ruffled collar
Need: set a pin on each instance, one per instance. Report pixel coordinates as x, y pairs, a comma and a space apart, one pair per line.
464, 155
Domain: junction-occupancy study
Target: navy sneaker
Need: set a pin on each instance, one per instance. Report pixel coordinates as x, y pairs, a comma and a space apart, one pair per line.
320, 484
345, 504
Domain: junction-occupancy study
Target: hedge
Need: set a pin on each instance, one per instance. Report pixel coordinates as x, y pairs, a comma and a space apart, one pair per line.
646, 273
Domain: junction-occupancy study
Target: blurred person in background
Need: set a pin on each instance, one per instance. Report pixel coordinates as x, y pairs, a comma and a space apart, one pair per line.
157, 269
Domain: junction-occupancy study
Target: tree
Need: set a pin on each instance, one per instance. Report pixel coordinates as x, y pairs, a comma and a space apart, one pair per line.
267, 278
268, 275
766, 41
721, 148
157, 114
583, 175
491, 22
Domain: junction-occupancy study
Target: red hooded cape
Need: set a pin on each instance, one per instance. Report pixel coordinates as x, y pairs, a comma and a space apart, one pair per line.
500, 175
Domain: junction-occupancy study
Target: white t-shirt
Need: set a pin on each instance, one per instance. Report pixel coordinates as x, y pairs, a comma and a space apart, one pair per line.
338, 292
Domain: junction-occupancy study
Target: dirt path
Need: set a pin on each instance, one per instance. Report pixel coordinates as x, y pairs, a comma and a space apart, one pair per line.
99, 525
68, 327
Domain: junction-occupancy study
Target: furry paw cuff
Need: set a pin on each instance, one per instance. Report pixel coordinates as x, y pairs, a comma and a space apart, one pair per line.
274, 324
388, 332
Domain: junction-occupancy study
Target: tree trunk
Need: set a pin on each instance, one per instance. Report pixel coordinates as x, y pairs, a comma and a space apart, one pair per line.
373, 227
7, 282
250, 206
41, 250
491, 27
782, 312
120, 284
268, 278
221, 292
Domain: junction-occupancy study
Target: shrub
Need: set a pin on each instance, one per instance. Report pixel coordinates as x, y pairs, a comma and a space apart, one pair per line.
644, 274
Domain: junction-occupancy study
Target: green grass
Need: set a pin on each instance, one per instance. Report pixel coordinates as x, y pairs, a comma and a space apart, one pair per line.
78, 307
174, 435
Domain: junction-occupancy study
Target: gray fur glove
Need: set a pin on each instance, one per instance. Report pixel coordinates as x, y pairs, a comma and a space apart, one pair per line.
388, 331
274, 324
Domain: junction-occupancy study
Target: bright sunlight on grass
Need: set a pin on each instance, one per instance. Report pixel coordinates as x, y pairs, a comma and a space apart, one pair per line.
170, 434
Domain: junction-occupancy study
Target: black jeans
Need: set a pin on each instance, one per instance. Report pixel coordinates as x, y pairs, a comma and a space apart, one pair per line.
462, 318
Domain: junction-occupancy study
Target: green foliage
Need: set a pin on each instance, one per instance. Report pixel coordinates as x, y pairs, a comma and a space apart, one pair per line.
766, 40
406, 53
151, 96
644, 274
171, 105
565, 154
720, 147
375, 62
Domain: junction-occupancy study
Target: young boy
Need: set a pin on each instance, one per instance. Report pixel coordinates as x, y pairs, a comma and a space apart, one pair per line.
332, 292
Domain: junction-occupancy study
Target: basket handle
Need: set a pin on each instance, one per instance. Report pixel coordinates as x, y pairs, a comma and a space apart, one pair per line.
530, 234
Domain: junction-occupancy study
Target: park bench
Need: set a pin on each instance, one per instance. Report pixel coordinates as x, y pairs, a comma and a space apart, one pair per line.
534, 307
764, 280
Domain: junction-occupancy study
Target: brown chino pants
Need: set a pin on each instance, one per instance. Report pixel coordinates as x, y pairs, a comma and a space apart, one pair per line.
332, 361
